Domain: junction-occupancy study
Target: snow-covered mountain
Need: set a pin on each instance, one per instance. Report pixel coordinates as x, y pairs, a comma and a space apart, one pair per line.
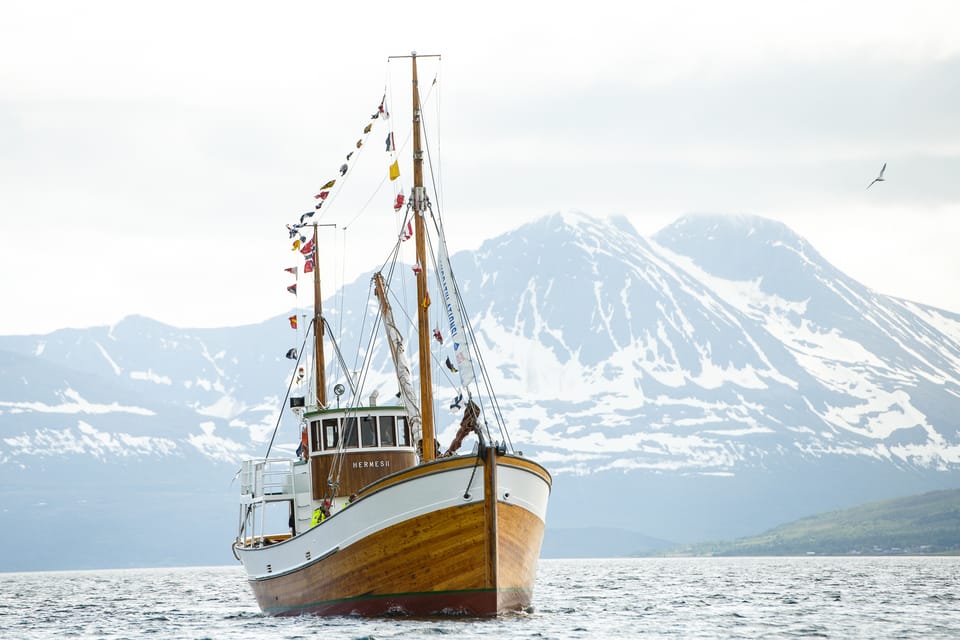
713, 380
723, 342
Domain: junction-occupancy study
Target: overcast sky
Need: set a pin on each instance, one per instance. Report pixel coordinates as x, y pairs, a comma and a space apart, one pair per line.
152, 152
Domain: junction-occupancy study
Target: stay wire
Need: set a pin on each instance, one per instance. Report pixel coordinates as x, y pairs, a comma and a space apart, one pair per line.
438, 223
276, 428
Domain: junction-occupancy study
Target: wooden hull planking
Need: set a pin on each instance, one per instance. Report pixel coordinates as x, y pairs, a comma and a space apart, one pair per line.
439, 562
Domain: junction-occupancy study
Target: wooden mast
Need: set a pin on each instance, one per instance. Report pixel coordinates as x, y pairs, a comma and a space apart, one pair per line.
423, 297
318, 331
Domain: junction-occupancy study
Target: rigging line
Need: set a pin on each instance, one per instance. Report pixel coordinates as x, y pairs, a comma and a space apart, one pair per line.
330, 366
426, 145
498, 414
341, 291
363, 209
474, 349
494, 401
339, 354
393, 259
435, 358
337, 466
466, 492
376, 191
362, 328
351, 421
438, 221
289, 386
456, 293
393, 256
345, 177
396, 154
394, 252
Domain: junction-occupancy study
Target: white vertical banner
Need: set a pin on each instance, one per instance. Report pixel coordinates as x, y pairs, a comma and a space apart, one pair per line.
454, 314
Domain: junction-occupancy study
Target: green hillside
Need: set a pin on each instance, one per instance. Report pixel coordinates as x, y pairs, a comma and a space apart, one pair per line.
922, 524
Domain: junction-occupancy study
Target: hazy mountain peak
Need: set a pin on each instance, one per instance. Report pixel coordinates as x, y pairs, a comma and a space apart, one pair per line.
750, 248
572, 223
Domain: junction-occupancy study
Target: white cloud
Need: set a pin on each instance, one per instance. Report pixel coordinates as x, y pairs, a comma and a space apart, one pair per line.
197, 130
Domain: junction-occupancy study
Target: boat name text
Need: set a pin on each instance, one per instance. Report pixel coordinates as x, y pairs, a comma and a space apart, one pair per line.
366, 464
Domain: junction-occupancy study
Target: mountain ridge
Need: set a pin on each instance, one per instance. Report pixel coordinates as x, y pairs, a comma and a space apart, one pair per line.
919, 524
720, 376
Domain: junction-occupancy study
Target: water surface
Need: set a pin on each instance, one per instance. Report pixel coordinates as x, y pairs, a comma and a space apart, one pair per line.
608, 598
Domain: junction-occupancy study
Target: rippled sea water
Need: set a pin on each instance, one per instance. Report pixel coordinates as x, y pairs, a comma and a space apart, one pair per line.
609, 598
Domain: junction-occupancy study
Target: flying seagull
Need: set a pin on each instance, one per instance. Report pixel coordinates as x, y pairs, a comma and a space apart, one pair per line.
879, 178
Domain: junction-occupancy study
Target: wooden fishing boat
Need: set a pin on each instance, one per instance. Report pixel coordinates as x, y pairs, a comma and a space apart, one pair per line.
371, 518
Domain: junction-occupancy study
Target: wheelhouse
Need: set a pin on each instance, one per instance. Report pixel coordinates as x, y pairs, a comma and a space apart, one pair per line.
364, 444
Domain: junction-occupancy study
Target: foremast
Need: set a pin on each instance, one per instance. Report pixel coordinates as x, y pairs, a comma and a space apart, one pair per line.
318, 330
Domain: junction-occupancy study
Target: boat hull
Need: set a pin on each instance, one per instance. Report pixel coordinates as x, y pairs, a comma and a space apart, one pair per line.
458, 536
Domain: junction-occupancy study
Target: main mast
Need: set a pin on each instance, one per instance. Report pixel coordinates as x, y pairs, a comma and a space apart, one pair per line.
423, 297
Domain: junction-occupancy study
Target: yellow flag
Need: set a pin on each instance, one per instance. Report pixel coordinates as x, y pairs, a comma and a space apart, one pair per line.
367, 128
395, 170
296, 244
328, 185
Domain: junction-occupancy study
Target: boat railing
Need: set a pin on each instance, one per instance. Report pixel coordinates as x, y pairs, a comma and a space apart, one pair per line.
266, 478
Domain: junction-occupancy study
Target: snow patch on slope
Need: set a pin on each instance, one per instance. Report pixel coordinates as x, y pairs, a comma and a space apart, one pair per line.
73, 404
150, 376
213, 446
225, 407
88, 440
106, 356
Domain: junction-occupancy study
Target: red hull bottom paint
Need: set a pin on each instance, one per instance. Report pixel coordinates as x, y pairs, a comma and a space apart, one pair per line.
479, 603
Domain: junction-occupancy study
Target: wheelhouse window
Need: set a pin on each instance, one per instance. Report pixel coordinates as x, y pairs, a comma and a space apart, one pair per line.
403, 432
315, 435
388, 431
351, 435
330, 434
368, 431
